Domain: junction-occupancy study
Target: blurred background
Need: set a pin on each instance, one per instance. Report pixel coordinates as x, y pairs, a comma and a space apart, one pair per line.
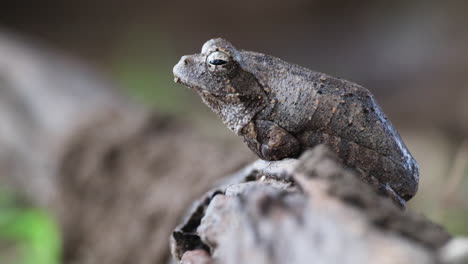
413, 55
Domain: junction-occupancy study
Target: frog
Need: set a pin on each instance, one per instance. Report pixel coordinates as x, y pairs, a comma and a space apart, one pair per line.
282, 109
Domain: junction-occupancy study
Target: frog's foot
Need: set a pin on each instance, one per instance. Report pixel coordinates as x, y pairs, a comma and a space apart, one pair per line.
277, 143
287, 150
386, 190
270, 141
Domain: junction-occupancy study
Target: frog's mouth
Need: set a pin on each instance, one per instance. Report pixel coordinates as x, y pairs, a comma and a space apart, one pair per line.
202, 90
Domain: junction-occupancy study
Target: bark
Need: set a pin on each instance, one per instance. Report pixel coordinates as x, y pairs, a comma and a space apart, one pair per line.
302, 211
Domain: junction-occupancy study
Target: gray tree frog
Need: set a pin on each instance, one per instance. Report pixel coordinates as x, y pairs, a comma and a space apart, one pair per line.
281, 109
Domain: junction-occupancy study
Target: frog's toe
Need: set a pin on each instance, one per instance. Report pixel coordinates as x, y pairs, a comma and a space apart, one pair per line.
386, 190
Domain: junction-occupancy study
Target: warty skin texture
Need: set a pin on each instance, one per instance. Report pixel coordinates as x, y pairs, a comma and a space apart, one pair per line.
281, 109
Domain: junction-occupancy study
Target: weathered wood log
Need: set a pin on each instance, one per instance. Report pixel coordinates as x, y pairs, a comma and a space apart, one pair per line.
302, 211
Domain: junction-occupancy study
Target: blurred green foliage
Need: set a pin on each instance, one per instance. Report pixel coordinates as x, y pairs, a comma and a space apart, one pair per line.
27, 235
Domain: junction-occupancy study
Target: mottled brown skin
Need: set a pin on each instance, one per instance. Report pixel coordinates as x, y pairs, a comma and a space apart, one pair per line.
281, 109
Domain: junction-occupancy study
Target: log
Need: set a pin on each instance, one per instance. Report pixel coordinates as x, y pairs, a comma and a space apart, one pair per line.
302, 211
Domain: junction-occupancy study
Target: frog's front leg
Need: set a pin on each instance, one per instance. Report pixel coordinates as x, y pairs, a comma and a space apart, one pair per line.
270, 141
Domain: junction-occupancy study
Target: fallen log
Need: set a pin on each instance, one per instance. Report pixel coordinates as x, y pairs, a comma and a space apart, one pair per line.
302, 211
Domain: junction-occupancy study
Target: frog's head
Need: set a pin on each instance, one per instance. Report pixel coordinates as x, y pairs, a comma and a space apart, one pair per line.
224, 85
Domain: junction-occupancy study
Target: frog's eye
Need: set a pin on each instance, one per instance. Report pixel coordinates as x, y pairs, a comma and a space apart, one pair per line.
219, 63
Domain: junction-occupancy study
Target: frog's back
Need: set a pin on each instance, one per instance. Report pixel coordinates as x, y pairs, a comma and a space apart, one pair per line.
318, 108
347, 118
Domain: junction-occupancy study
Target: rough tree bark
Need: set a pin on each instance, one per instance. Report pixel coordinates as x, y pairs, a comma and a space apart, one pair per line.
119, 177
303, 211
